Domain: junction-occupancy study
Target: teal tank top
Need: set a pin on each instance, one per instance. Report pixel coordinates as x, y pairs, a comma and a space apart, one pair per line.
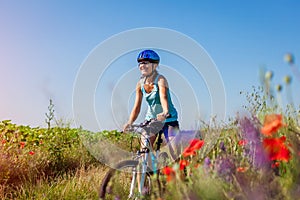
154, 105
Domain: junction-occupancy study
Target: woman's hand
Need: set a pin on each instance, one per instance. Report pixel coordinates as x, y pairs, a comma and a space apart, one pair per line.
126, 127
162, 116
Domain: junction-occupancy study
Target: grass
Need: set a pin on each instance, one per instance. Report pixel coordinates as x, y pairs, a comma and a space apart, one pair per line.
83, 184
60, 167
51, 163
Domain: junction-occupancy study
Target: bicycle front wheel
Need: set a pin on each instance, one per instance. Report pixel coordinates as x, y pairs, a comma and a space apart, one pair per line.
116, 183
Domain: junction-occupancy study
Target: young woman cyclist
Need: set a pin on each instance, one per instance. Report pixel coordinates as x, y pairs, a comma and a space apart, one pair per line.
154, 87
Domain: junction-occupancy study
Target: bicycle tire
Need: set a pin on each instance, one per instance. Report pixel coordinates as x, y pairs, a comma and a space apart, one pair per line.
107, 188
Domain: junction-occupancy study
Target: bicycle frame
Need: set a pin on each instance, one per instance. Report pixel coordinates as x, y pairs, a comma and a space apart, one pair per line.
144, 155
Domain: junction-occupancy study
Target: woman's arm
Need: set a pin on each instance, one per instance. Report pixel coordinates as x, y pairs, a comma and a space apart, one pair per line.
163, 87
137, 106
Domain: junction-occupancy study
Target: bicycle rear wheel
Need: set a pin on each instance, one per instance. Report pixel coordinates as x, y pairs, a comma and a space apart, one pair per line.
116, 183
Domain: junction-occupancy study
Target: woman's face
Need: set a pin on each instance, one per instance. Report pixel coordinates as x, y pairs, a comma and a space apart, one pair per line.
146, 68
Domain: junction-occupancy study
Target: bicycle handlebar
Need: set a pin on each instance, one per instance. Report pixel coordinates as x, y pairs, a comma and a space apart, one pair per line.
153, 125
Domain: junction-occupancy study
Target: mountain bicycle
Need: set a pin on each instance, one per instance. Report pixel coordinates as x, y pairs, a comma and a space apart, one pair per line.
135, 177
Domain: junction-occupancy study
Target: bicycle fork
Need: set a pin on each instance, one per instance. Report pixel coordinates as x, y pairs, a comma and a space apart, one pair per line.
143, 174
144, 167
133, 182
141, 181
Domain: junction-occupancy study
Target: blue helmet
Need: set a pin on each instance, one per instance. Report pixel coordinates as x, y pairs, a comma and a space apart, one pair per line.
148, 55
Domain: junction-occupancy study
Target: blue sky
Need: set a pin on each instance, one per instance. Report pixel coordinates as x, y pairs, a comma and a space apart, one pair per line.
44, 43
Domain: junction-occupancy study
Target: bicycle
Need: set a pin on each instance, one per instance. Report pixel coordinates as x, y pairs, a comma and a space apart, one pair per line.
139, 164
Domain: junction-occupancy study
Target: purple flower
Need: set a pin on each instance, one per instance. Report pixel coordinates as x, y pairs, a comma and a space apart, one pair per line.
207, 162
222, 146
254, 148
207, 165
249, 131
225, 168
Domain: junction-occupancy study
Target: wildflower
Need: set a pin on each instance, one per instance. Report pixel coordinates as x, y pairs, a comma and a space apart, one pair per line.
195, 145
22, 145
3, 141
276, 149
225, 168
242, 142
197, 165
241, 169
254, 150
188, 152
207, 165
183, 164
222, 146
169, 172
31, 152
275, 165
207, 162
272, 123
249, 130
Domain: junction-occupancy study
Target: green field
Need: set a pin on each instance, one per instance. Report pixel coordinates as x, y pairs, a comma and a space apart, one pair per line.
252, 156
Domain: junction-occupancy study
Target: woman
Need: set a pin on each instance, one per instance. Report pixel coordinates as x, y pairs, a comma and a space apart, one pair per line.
154, 87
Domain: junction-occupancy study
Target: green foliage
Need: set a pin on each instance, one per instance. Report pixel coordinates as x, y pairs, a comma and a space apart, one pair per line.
29, 151
30, 155
60, 165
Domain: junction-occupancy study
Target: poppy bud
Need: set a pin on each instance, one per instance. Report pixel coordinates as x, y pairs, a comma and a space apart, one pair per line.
287, 79
289, 58
269, 75
278, 88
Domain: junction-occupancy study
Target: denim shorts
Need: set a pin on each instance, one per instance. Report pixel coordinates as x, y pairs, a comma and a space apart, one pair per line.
166, 126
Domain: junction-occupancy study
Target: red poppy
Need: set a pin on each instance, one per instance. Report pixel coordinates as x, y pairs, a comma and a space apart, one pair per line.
197, 165
183, 164
31, 152
22, 145
275, 165
169, 172
3, 141
241, 169
242, 142
195, 145
188, 152
276, 149
272, 123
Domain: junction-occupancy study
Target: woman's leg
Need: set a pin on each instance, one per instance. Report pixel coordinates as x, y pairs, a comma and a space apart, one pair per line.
171, 132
